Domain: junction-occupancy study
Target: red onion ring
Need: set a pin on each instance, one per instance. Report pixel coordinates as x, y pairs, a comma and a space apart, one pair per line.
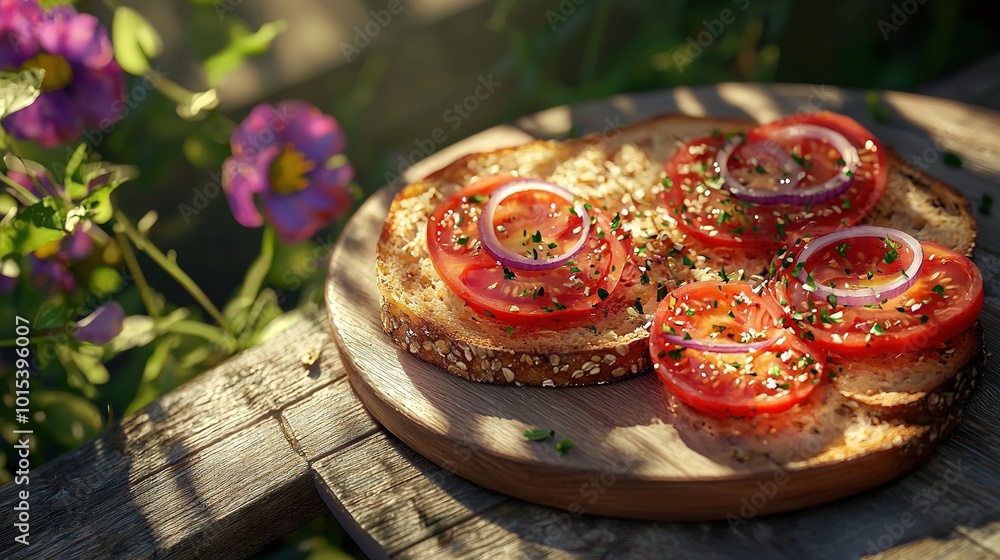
512, 259
733, 348
790, 193
869, 295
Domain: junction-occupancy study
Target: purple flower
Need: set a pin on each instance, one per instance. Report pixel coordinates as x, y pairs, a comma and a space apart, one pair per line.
102, 325
83, 86
284, 157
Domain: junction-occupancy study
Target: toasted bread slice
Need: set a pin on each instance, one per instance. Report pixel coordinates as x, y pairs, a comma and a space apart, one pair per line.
423, 316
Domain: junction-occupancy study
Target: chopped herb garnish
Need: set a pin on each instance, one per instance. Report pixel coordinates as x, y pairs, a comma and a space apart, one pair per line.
667, 182
602, 293
687, 261
832, 300
510, 329
644, 279
689, 312
877, 329
553, 245
842, 249
687, 336
890, 251
799, 159
508, 274
617, 221
462, 239
538, 434
477, 199
537, 237
846, 204
951, 160
661, 291
985, 204
564, 446
924, 319
637, 305
675, 354
938, 289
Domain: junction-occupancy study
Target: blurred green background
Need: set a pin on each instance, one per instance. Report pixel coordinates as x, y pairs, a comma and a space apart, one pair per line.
391, 71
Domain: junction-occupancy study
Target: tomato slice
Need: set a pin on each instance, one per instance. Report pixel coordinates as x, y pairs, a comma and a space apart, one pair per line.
944, 301
578, 291
709, 214
731, 383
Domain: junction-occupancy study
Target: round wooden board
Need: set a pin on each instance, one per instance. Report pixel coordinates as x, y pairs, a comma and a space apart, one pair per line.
628, 458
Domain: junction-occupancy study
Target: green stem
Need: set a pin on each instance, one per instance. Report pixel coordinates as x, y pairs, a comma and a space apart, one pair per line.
143, 243
31, 340
145, 292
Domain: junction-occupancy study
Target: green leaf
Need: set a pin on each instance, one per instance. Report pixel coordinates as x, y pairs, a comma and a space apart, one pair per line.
135, 41
538, 434
19, 90
33, 227
88, 360
69, 418
97, 206
242, 44
51, 315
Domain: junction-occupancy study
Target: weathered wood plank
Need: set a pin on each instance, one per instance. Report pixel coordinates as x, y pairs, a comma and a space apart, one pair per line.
224, 501
327, 420
396, 496
148, 447
951, 547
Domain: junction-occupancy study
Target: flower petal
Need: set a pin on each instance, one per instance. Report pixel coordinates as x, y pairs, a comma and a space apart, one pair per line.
18, 19
78, 38
48, 121
106, 85
314, 134
257, 132
102, 325
242, 178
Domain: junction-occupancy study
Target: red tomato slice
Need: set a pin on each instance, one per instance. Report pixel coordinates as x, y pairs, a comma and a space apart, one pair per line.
734, 384
709, 214
944, 301
579, 291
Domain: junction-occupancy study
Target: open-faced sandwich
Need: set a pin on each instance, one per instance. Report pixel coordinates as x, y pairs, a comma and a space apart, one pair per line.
795, 274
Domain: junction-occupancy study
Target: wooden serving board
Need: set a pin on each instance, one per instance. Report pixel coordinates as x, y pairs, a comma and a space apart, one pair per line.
629, 457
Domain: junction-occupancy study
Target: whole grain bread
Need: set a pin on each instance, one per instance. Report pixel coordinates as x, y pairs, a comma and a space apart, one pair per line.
623, 171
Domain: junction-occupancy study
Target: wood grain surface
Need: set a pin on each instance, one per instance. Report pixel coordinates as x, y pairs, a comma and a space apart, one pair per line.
651, 464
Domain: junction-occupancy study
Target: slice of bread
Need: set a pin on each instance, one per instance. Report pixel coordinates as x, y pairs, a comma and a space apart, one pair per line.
624, 172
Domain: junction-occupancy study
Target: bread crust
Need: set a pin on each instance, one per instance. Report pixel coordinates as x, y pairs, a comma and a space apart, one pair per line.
434, 328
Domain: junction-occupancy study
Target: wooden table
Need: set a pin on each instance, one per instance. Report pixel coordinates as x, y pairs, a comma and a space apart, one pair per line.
273, 437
